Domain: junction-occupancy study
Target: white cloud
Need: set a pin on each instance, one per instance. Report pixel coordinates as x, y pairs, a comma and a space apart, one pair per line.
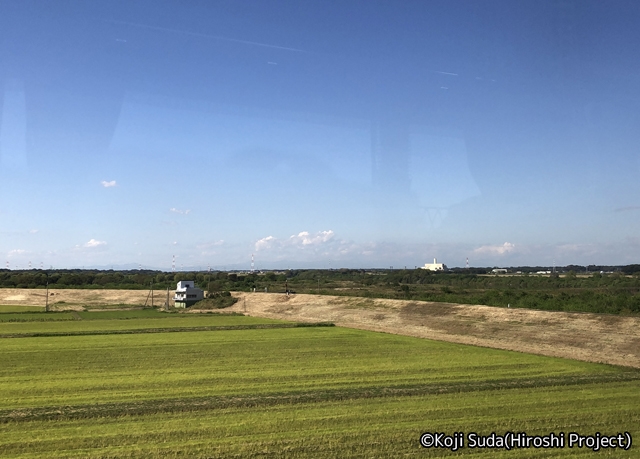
33, 231
302, 240
265, 243
178, 211
16, 252
505, 248
305, 238
445, 73
326, 248
94, 243
110, 184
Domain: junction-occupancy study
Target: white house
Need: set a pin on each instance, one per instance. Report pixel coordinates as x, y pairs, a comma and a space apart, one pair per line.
435, 266
187, 294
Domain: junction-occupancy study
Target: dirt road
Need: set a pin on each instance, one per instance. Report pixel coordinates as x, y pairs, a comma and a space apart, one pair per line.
590, 337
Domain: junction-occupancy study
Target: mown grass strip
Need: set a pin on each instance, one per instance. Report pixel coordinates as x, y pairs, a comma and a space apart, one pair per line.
165, 330
26, 314
77, 370
14, 308
378, 428
169, 321
29, 316
147, 407
149, 314
127, 314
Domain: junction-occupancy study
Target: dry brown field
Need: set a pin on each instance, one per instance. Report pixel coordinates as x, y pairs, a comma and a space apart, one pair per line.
65, 299
582, 336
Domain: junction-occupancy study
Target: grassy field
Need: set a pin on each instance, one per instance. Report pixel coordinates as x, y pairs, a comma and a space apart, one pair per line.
75, 322
285, 392
4, 308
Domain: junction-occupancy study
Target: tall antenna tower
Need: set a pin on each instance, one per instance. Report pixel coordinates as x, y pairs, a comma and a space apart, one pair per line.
252, 264
467, 265
173, 264
7, 264
29, 265
41, 265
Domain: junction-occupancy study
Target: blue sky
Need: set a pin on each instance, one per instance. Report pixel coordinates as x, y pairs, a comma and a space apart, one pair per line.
319, 134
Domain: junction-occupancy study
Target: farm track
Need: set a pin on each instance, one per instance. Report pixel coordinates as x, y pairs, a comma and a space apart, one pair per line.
147, 407
597, 338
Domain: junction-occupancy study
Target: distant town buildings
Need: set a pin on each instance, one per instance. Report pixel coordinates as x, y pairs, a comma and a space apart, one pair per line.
187, 294
435, 266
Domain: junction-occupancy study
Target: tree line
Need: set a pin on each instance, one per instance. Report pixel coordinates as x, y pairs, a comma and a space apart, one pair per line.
615, 292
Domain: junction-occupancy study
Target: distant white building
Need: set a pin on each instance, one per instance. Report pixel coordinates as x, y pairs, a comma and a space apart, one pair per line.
435, 266
499, 271
187, 294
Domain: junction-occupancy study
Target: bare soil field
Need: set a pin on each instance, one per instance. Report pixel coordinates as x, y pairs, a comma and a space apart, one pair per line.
590, 337
66, 299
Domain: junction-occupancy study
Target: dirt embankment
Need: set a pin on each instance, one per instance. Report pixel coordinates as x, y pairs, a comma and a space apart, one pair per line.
581, 336
590, 337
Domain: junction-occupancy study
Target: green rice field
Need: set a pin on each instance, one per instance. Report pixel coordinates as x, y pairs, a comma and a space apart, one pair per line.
255, 388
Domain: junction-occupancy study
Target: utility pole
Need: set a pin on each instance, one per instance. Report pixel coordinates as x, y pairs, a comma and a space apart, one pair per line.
46, 301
